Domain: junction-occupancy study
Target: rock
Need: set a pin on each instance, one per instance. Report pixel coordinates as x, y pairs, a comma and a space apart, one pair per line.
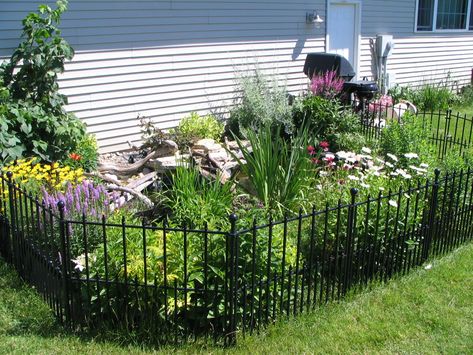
207, 146
167, 148
220, 155
167, 163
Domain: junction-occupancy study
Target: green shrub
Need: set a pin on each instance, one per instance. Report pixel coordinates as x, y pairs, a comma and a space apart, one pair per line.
466, 96
32, 114
263, 102
326, 119
195, 200
428, 96
194, 127
408, 136
85, 155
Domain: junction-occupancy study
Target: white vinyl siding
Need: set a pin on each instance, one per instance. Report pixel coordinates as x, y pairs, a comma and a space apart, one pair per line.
164, 59
417, 58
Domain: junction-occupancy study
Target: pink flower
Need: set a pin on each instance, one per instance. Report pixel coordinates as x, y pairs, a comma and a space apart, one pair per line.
326, 85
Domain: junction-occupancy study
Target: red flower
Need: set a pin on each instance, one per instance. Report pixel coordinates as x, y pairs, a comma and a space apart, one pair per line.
75, 156
311, 150
324, 145
315, 161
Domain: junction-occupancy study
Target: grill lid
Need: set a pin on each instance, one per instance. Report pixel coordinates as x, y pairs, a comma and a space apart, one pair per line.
323, 62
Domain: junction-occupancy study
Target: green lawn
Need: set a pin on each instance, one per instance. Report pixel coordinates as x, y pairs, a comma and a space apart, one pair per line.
428, 312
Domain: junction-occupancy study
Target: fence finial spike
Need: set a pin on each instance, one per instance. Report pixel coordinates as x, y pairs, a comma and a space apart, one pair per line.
437, 174
9, 174
61, 205
233, 217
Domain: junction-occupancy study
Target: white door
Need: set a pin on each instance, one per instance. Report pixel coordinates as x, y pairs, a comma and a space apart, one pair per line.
343, 27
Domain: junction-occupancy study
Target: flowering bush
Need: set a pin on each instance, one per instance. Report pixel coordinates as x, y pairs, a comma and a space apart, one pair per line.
380, 104
34, 175
326, 85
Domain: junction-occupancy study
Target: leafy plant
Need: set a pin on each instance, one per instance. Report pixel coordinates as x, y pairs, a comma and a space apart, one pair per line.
32, 114
326, 119
42, 55
263, 102
195, 200
85, 155
152, 136
194, 127
279, 172
408, 136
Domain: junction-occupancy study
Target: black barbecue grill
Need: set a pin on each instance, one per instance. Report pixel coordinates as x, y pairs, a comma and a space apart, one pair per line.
319, 63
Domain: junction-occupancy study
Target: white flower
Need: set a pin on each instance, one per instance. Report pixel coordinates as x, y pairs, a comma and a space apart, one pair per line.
421, 170
381, 188
389, 164
392, 203
353, 177
424, 165
342, 154
380, 161
407, 176
411, 155
79, 263
366, 150
323, 173
366, 186
329, 156
319, 187
394, 173
392, 156
377, 173
428, 267
407, 196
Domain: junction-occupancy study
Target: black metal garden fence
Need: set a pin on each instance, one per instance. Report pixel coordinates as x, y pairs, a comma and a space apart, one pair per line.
165, 283
445, 129
170, 284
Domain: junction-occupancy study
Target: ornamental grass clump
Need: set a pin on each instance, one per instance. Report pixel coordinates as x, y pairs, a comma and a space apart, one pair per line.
278, 171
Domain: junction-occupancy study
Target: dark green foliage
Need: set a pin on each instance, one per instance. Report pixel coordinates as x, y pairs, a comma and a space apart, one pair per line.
279, 172
32, 115
42, 55
326, 119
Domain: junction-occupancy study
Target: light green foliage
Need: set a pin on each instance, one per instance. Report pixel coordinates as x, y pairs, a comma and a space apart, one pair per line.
87, 151
195, 200
429, 96
263, 102
327, 120
424, 310
194, 127
32, 115
408, 136
279, 172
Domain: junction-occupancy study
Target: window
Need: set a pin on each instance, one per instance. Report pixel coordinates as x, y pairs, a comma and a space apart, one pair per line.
444, 15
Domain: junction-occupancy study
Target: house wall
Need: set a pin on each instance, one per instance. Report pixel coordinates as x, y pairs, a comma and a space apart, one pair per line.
164, 59
417, 57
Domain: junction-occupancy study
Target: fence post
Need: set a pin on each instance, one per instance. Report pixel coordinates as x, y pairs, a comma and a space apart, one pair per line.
11, 221
350, 233
432, 225
233, 275
64, 263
